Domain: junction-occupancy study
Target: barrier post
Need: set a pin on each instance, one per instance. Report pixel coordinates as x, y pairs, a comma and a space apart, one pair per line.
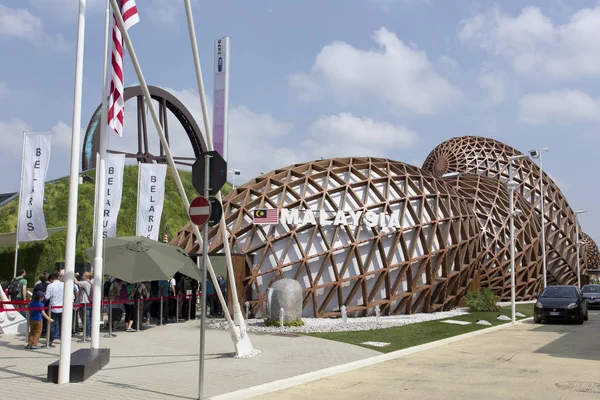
161, 310
75, 320
189, 307
139, 312
48, 327
27, 333
84, 337
110, 334
176, 308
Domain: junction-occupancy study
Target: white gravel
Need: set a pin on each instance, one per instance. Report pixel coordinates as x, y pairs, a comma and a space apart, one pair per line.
314, 325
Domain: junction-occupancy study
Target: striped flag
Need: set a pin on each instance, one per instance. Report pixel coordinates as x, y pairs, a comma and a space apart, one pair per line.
116, 104
166, 235
266, 216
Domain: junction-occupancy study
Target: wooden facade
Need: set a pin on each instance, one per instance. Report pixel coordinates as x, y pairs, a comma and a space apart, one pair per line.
490, 158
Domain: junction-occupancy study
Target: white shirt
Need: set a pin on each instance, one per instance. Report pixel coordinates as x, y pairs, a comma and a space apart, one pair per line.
55, 293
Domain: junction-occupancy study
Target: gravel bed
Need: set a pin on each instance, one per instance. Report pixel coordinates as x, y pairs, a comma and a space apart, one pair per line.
314, 325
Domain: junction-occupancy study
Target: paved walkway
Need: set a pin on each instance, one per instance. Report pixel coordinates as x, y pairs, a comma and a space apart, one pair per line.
162, 363
525, 361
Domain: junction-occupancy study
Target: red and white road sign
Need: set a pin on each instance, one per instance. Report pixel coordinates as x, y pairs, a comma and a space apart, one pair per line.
200, 210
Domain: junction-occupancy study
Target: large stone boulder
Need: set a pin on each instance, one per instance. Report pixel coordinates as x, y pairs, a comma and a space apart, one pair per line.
286, 294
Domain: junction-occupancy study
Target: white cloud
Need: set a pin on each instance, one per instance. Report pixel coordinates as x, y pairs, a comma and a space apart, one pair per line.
493, 83
533, 44
11, 132
345, 135
399, 75
63, 136
564, 107
256, 140
21, 24
164, 11
65, 10
3, 90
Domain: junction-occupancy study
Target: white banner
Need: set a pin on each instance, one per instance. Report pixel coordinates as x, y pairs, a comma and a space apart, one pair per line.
151, 197
36, 157
221, 96
115, 164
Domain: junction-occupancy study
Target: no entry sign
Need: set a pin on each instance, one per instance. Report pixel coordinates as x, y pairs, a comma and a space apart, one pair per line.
200, 210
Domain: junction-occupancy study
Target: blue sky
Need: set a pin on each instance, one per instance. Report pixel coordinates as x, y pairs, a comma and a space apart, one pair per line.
389, 78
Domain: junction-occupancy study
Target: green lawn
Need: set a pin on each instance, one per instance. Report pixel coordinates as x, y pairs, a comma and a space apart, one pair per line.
402, 337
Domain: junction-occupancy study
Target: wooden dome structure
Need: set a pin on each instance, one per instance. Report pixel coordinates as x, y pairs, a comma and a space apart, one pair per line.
490, 158
424, 265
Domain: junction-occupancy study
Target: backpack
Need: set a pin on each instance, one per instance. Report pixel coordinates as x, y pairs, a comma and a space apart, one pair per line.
13, 288
123, 294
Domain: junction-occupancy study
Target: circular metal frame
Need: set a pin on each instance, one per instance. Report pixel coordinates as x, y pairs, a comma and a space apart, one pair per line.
166, 102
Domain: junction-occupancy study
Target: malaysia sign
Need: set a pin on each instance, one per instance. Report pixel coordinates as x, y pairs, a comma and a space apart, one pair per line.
371, 219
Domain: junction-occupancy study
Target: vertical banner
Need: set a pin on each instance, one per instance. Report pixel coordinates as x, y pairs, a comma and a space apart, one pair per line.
115, 165
36, 157
221, 96
151, 196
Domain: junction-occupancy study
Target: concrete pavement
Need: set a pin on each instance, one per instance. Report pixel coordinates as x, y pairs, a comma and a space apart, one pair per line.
524, 361
162, 363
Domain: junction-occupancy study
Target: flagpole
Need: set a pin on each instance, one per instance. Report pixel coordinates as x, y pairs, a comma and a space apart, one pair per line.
19, 208
137, 205
233, 332
97, 314
95, 198
237, 311
64, 363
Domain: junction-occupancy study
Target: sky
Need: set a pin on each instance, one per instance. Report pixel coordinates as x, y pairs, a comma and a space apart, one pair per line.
335, 78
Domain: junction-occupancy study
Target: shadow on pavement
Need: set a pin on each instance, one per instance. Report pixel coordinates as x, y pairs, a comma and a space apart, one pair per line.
16, 374
576, 341
141, 389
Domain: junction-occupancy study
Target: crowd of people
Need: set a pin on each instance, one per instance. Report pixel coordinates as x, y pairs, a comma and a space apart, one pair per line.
127, 305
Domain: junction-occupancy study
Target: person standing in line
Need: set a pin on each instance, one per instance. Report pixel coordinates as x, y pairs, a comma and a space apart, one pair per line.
36, 314
128, 293
163, 291
83, 298
173, 302
115, 297
17, 289
54, 293
41, 288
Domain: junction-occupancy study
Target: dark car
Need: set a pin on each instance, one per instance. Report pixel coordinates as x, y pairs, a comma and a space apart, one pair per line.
561, 303
592, 294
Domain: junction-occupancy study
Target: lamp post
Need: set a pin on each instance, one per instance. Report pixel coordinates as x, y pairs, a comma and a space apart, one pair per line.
234, 172
537, 153
512, 185
577, 245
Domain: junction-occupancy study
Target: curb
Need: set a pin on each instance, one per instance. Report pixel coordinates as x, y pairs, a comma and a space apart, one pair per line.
286, 383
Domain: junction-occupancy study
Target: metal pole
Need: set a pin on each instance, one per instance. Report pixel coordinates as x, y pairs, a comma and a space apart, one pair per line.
176, 307
235, 335
242, 341
577, 249
48, 326
19, 209
110, 334
83, 339
101, 195
189, 306
542, 200
139, 312
511, 210
64, 366
205, 230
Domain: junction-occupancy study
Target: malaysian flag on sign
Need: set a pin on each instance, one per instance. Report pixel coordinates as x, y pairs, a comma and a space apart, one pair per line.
116, 104
266, 216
